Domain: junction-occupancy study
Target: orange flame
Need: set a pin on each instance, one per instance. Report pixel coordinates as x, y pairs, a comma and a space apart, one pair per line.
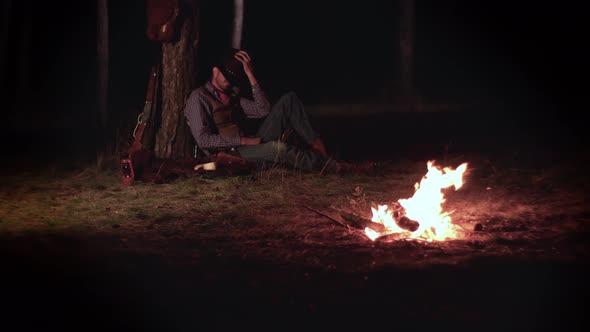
425, 207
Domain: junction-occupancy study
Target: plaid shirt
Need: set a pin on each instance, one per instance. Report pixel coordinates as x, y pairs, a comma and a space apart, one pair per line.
198, 112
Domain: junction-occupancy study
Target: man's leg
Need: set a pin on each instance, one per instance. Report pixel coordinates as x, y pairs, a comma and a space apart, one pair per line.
279, 153
287, 112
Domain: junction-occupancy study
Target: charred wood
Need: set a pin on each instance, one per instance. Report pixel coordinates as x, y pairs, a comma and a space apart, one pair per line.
361, 223
408, 224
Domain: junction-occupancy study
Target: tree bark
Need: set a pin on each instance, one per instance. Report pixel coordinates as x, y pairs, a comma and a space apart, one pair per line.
238, 24
103, 61
407, 48
174, 139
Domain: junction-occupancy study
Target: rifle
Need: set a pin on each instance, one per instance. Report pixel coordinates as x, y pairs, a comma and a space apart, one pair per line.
142, 120
145, 116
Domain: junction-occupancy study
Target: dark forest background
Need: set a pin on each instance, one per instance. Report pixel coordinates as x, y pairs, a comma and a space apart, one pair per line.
505, 55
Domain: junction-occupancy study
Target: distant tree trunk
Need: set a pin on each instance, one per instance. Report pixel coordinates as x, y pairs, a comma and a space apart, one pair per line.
407, 48
24, 57
4, 38
238, 23
103, 61
174, 139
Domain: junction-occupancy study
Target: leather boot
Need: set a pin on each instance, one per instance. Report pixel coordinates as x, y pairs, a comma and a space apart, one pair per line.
318, 147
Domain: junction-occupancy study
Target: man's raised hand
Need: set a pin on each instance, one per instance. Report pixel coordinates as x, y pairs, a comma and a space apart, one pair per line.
246, 61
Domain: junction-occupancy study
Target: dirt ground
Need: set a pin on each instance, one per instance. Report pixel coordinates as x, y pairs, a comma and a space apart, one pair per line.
522, 264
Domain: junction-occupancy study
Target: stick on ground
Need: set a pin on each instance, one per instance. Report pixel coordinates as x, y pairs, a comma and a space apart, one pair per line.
327, 216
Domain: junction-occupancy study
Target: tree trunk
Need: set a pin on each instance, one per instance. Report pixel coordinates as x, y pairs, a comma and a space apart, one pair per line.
103, 61
236, 40
23, 79
174, 139
407, 48
4, 42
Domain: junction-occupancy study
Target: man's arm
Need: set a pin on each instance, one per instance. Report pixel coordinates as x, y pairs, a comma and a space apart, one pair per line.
257, 108
260, 106
197, 113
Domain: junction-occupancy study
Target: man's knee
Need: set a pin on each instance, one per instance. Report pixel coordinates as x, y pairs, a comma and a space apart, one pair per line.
291, 95
288, 97
288, 104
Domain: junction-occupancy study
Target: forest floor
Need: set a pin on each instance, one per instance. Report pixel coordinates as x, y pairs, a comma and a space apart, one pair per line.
81, 251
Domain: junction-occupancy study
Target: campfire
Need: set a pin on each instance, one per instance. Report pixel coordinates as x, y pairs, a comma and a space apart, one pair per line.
421, 216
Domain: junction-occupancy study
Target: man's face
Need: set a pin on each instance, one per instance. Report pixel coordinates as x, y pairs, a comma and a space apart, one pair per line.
220, 80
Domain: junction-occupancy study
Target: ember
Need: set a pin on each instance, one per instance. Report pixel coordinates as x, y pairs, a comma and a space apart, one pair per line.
421, 216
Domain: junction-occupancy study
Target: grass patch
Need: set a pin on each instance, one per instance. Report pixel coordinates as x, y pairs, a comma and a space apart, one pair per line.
269, 205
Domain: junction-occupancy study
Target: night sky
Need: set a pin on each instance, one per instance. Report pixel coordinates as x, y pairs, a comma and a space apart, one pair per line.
524, 54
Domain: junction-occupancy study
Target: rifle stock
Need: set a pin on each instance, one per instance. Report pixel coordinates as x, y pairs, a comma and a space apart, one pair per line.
137, 145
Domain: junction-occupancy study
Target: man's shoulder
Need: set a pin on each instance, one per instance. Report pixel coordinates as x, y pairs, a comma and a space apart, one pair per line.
200, 91
195, 101
199, 95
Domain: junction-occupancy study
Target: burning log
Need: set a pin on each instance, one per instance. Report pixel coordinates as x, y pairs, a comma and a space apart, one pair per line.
400, 218
351, 220
362, 223
408, 224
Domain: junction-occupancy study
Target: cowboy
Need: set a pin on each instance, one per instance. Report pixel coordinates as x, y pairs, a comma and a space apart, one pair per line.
219, 116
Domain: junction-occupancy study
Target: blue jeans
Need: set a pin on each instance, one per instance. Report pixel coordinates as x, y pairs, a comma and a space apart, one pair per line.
286, 113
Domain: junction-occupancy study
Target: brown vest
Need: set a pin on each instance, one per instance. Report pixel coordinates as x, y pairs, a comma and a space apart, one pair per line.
225, 117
